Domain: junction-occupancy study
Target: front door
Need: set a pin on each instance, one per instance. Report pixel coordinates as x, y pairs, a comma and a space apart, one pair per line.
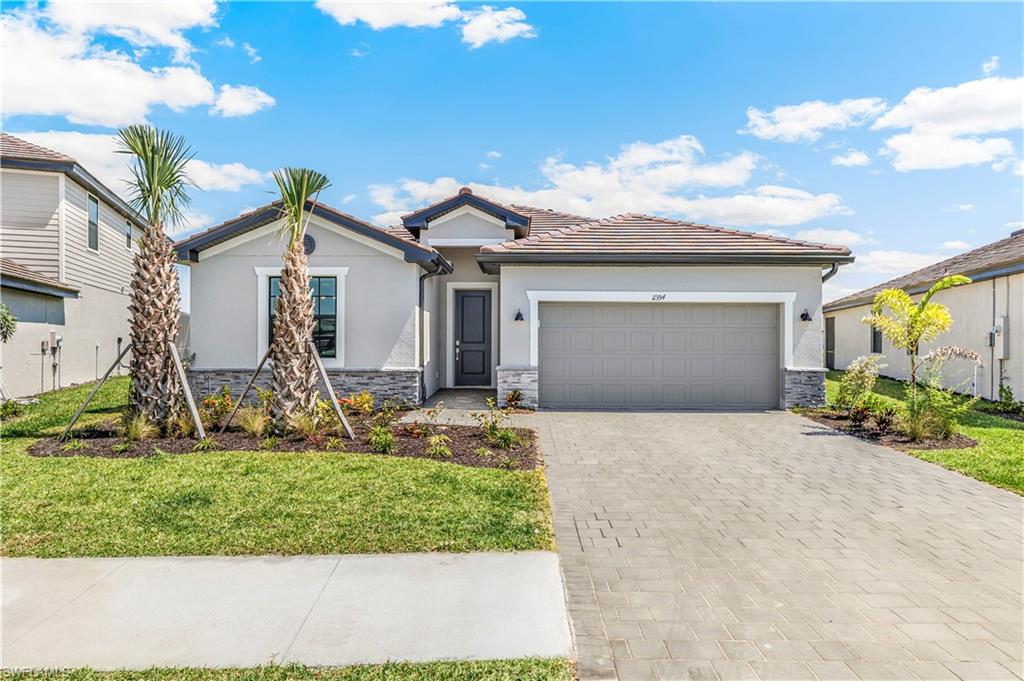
830, 342
472, 338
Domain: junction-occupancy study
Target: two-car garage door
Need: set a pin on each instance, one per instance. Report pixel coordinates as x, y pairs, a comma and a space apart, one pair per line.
658, 356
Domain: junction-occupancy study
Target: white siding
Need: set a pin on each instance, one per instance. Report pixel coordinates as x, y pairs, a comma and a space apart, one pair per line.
29, 220
972, 308
111, 267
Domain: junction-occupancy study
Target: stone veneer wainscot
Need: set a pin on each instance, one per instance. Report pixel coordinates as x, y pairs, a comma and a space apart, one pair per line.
394, 384
522, 378
804, 387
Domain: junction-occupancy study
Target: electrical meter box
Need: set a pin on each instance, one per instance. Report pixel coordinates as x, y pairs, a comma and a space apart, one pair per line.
1001, 338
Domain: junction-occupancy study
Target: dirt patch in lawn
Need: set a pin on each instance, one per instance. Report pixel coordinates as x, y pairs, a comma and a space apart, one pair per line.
868, 431
468, 444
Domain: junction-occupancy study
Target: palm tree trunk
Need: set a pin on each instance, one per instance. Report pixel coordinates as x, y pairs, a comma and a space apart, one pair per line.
154, 311
294, 366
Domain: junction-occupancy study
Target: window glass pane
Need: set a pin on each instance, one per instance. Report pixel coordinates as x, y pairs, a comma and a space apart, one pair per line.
327, 306
94, 223
275, 286
322, 291
127, 234
314, 286
327, 286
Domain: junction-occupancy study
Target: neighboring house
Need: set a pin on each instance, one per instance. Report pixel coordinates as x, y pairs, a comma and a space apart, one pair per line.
627, 312
988, 317
67, 244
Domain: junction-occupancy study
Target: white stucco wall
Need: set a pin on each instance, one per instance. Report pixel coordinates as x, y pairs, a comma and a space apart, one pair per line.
972, 307
804, 282
465, 223
92, 324
381, 293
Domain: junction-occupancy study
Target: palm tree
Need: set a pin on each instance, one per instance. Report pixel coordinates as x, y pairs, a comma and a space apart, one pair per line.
294, 372
158, 193
908, 324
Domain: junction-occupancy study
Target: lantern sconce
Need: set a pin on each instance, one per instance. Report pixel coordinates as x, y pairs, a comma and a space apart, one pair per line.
519, 316
805, 316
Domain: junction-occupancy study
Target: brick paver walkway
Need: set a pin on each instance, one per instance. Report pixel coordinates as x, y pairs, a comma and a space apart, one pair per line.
764, 546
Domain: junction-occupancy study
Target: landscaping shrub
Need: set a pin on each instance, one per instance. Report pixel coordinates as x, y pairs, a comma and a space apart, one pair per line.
514, 398
304, 424
362, 402
182, 425
73, 445
437, 446
335, 444
10, 409
139, 427
859, 415
381, 440
387, 414
885, 417
215, 408
253, 421
944, 410
207, 444
858, 382
491, 420
266, 399
1007, 403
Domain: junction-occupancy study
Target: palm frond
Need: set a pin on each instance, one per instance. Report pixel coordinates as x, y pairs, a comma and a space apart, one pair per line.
297, 186
159, 184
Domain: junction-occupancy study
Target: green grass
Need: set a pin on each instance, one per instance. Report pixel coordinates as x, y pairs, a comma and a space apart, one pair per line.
504, 670
251, 503
999, 457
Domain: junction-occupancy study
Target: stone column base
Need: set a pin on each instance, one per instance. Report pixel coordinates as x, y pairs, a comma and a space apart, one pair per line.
395, 384
523, 379
804, 387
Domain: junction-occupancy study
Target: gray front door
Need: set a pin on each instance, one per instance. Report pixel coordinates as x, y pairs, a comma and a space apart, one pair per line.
472, 338
659, 356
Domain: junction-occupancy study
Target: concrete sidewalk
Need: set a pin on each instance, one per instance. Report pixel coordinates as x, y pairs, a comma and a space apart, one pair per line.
113, 613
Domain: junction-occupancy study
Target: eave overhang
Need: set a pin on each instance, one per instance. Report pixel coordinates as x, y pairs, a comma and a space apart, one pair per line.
492, 262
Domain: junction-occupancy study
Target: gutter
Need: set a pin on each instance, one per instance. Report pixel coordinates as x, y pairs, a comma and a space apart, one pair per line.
491, 262
832, 271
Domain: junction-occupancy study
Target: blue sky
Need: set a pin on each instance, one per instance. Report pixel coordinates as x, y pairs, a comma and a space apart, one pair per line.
895, 129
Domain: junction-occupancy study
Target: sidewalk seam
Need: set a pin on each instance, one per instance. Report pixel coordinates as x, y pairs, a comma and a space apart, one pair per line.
284, 655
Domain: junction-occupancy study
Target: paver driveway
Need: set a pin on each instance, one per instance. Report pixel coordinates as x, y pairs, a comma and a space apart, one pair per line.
762, 545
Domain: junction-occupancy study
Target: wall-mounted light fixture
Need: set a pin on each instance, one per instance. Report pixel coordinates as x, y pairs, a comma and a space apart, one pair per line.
805, 316
519, 315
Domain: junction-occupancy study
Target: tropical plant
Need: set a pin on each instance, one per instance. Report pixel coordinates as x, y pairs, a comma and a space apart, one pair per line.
438, 446
294, 367
253, 421
885, 417
362, 402
945, 410
8, 323
491, 420
858, 381
138, 427
213, 409
503, 438
335, 444
514, 398
381, 440
158, 191
908, 324
207, 444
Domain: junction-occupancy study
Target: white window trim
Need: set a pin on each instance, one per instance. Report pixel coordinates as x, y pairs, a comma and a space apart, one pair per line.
451, 288
99, 212
784, 299
263, 275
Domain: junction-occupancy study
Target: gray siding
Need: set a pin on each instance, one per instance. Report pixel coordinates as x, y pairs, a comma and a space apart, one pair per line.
111, 267
30, 220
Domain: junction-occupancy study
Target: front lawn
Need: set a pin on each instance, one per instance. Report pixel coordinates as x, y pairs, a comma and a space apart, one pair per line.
998, 459
502, 670
251, 503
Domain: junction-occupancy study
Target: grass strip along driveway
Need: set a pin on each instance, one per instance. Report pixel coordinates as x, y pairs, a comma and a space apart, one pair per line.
504, 670
998, 459
251, 503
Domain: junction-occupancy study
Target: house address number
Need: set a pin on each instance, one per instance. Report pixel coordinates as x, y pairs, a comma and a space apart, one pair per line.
658, 297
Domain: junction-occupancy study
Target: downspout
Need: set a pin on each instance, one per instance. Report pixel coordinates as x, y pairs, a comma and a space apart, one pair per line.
832, 271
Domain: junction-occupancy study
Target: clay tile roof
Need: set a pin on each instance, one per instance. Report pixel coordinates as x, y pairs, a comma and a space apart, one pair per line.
545, 220
13, 147
999, 254
646, 237
13, 270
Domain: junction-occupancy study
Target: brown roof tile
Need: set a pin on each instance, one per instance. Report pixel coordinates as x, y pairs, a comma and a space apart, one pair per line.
646, 235
14, 270
1002, 253
544, 220
13, 147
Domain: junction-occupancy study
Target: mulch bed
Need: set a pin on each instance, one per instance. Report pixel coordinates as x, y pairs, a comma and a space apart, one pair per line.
411, 440
867, 431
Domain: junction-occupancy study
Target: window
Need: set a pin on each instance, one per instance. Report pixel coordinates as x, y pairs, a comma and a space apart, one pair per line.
876, 340
94, 223
128, 234
324, 291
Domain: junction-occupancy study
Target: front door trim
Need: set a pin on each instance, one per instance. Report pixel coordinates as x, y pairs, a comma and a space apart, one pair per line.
451, 288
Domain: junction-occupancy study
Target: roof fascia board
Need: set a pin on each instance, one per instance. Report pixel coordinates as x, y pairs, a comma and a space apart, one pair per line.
976, 278
492, 261
421, 218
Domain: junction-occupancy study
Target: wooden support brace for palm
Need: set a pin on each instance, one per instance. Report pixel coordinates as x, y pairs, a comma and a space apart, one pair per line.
330, 391
248, 387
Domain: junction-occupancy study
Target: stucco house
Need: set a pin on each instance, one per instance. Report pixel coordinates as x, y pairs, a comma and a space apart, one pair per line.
625, 312
988, 317
67, 244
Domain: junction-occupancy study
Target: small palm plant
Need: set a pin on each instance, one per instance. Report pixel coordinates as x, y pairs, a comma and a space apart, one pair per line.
908, 324
294, 370
159, 186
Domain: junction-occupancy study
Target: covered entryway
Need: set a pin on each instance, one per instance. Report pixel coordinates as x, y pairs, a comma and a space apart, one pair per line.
659, 356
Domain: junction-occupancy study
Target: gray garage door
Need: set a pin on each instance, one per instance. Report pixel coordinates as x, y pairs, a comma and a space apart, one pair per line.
658, 356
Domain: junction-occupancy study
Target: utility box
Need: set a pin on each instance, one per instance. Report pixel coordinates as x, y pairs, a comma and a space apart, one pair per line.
1001, 338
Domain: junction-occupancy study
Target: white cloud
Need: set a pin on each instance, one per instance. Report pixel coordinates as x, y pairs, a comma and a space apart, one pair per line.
484, 166
240, 100
490, 24
961, 207
97, 153
381, 15
805, 122
145, 24
853, 157
192, 221
226, 41
991, 66
843, 237
348, 198
252, 53
1013, 226
642, 177
360, 50
947, 124
479, 26
891, 263
955, 245
493, 154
